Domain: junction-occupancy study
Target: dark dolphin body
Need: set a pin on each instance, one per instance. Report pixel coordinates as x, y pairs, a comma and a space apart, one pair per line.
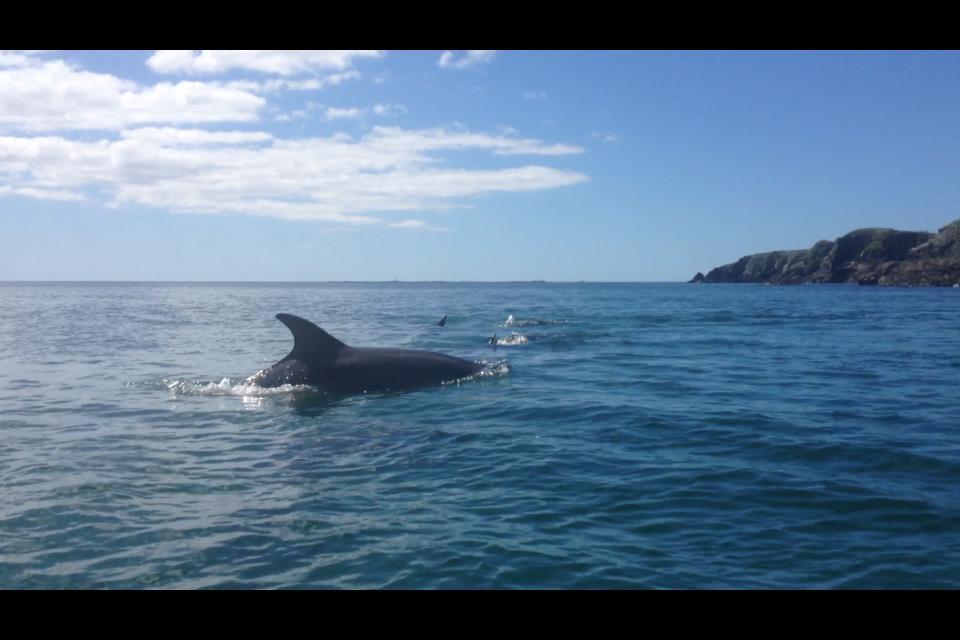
320, 360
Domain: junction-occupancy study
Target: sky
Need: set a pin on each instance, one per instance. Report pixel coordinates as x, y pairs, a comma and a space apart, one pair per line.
461, 165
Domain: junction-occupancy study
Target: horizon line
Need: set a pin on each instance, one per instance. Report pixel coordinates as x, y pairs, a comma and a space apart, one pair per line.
395, 281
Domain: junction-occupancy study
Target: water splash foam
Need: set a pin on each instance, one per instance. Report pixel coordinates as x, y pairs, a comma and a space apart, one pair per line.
490, 370
227, 387
246, 390
520, 322
513, 340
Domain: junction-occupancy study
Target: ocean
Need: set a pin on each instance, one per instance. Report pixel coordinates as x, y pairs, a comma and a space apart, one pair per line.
621, 436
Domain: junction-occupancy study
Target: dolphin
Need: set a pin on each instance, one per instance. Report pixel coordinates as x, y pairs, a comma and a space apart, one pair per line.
320, 360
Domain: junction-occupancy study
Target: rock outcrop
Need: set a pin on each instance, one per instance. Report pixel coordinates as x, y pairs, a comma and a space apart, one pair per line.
885, 257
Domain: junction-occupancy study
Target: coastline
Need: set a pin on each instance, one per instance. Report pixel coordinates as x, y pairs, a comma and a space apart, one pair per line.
871, 256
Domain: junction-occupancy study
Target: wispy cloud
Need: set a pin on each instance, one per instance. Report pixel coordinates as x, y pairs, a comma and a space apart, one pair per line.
389, 110
342, 113
379, 110
41, 194
534, 95
415, 224
435, 139
284, 63
336, 178
605, 137
466, 59
173, 137
274, 85
290, 116
321, 111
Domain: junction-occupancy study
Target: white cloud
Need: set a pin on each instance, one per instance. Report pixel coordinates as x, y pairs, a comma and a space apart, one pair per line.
534, 95
56, 96
296, 114
415, 224
154, 154
274, 85
345, 113
17, 59
337, 178
471, 58
284, 63
41, 194
169, 136
408, 224
338, 78
605, 137
434, 139
389, 110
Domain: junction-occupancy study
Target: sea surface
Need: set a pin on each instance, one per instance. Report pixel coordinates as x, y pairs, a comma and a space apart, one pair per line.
621, 436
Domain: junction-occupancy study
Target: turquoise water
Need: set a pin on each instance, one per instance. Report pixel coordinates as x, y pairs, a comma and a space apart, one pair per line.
626, 435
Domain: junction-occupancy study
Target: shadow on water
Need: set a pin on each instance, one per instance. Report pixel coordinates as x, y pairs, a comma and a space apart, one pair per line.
317, 403
312, 405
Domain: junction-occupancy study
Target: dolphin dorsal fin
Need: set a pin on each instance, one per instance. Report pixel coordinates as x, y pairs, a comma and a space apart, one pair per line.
310, 342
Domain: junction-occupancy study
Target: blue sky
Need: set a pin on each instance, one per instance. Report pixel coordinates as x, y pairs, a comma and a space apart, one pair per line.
482, 165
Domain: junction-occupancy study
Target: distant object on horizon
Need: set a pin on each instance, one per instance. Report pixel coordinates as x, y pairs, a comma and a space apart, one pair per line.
443, 321
884, 257
318, 359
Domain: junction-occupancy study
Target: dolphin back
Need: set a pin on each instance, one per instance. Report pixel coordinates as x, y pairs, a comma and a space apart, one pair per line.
321, 360
311, 344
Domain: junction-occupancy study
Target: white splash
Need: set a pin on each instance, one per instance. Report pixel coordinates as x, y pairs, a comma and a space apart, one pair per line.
490, 370
512, 340
226, 387
520, 322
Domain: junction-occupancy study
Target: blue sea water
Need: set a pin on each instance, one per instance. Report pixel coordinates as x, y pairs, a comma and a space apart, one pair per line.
624, 436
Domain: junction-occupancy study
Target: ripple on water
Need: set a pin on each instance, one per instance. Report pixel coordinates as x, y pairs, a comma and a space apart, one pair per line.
641, 436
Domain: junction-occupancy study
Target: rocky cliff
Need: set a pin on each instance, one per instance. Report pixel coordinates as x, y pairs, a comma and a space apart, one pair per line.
885, 257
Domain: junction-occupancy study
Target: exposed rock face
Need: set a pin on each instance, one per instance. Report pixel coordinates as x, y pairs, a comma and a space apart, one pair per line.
884, 257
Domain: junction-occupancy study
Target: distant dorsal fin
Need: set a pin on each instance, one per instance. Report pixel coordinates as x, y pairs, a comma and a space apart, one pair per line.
310, 342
